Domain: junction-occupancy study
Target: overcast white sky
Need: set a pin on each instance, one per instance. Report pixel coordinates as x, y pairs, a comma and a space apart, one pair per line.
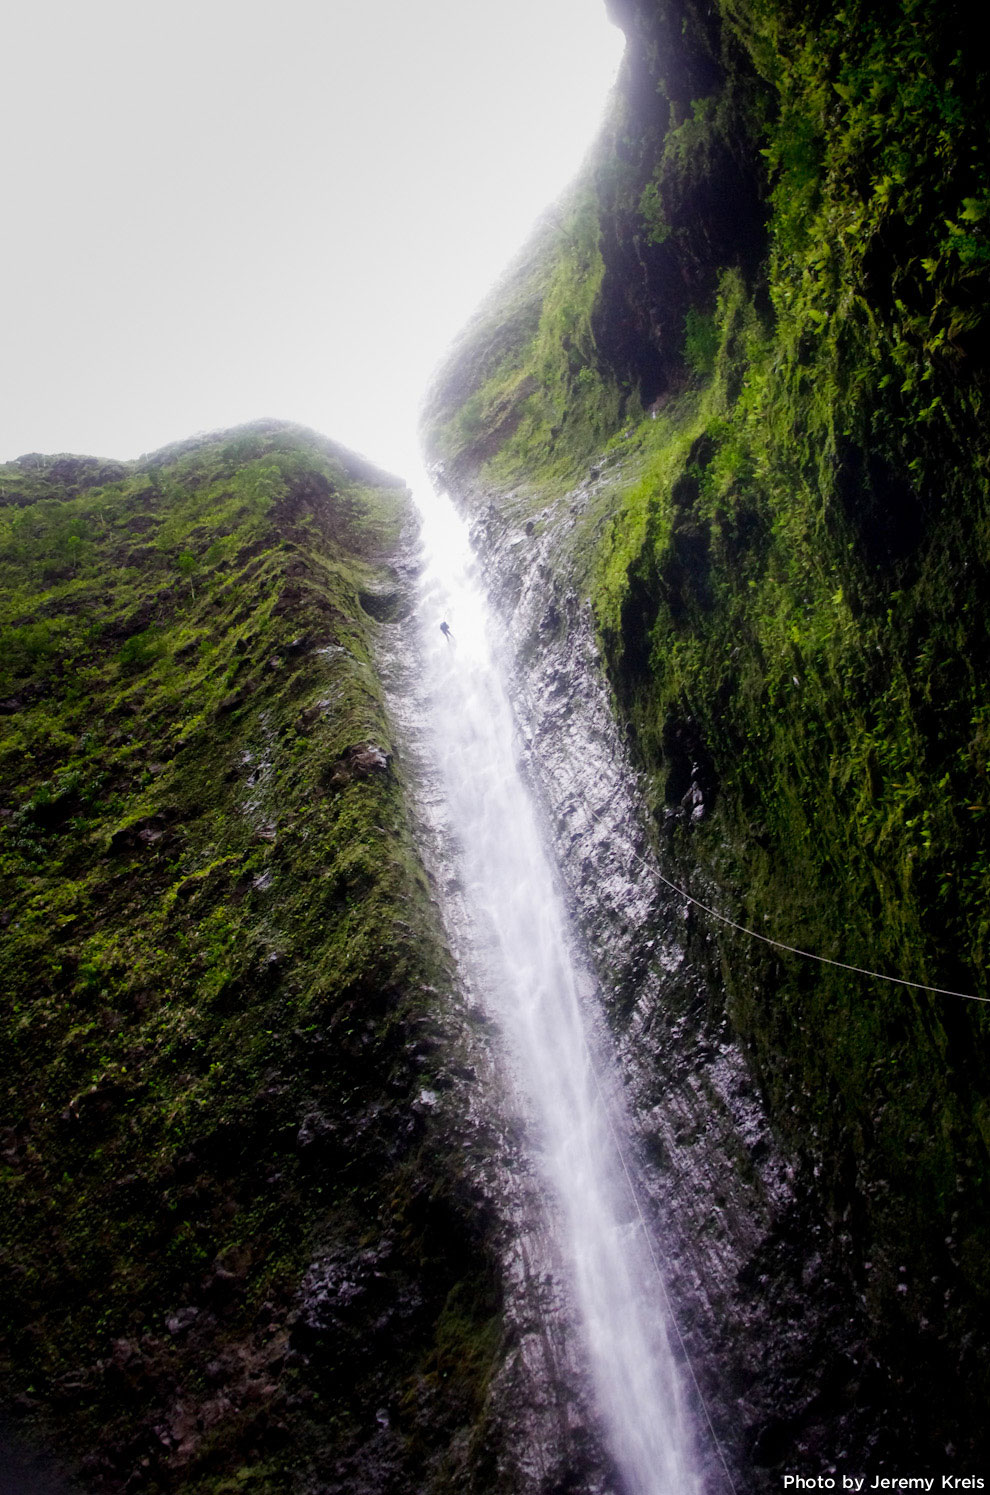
222, 209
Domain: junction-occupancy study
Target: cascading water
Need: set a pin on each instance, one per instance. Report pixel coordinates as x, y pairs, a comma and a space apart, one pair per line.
532, 990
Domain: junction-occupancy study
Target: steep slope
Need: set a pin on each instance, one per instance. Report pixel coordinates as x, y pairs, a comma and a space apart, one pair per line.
731, 402
247, 1241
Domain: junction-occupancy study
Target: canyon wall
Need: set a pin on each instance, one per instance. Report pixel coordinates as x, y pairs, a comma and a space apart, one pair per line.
721, 431
264, 1227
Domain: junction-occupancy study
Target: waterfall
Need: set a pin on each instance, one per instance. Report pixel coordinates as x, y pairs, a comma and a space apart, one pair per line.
533, 991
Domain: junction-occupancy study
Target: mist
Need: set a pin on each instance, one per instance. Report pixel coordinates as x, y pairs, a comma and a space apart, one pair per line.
225, 211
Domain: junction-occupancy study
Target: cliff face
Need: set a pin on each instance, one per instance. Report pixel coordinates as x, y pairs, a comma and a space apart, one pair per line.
255, 1233
723, 431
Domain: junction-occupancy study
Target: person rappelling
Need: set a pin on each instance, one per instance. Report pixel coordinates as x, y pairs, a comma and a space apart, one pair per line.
445, 630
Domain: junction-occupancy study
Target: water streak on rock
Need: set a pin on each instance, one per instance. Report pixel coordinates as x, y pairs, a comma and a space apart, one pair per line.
541, 997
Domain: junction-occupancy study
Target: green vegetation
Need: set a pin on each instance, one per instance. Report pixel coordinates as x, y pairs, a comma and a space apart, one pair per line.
789, 566
701, 342
218, 952
538, 400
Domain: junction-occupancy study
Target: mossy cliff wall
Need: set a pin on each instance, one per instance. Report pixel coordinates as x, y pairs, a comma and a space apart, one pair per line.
735, 396
242, 1247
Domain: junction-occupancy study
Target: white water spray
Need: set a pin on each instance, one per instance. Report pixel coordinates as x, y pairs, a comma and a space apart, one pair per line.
534, 995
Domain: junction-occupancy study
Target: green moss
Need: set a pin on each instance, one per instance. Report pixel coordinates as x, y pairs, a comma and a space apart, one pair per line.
215, 924
539, 401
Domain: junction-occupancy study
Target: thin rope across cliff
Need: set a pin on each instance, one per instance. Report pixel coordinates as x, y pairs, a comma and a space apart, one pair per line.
825, 960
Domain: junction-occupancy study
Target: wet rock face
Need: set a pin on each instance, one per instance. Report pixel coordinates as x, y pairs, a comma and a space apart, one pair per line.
776, 1341
536, 1432
779, 719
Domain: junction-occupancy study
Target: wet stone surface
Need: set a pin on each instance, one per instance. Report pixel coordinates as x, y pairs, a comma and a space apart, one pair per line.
773, 1342
538, 1433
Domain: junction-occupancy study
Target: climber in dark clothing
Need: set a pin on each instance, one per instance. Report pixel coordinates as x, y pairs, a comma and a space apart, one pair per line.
445, 630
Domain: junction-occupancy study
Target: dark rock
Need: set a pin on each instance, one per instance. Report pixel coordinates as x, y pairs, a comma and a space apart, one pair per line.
144, 832
331, 1292
96, 1103
360, 761
222, 1285
368, 759
316, 1133
386, 605
313, 713
179, 1322
232, 700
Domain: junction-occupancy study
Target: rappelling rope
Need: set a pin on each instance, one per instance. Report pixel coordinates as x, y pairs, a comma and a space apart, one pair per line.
825, 960
607, 1109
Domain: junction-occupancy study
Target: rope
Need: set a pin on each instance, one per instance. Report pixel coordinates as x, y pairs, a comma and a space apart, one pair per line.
670, 1315
825, 960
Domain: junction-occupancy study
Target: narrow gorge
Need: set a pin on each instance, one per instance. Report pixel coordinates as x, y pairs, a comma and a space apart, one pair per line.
546, 1054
